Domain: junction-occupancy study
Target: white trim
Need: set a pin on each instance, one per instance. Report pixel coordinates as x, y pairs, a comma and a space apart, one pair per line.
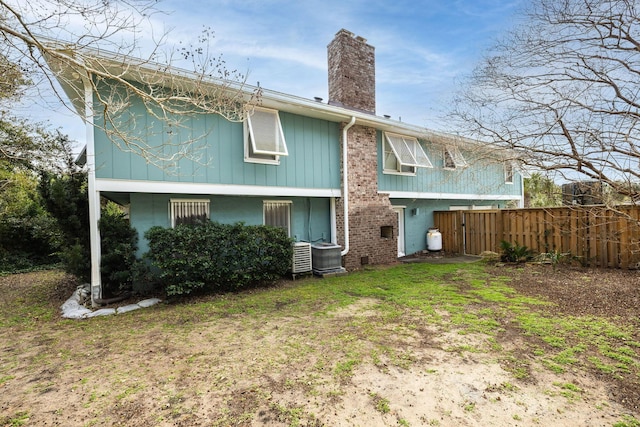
334, 223
400, 210
391, 172
180, 199
507, 166
93, 193
447, 196
162, 187
278, 201
274, 161
473, 208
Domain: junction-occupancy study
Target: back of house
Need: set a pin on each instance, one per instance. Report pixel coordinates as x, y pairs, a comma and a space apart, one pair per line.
326, 172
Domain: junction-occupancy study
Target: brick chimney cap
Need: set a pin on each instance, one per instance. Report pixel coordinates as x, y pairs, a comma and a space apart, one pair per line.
345, 32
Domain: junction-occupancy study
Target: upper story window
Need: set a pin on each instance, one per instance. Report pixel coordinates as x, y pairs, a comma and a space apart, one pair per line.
508, 173
263, 137
453, 158
403, 154
188, 211
278, 214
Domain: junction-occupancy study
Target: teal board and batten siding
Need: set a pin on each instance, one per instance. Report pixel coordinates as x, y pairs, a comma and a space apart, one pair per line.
313, 146
418, 218
310, 217
475, 184
481, 177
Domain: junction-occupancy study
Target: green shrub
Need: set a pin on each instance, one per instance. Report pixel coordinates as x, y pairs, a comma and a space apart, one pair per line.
65, 197
213, 257
119, 243
515, 252
77, 261
29, 236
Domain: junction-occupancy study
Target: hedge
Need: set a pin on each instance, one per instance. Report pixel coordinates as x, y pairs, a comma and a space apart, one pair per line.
211, 257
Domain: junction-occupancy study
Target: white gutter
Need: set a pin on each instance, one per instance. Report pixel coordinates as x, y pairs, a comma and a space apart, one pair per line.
345, 185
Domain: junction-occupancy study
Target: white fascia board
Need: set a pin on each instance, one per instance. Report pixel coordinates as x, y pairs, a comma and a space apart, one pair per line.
163, 187
447, 196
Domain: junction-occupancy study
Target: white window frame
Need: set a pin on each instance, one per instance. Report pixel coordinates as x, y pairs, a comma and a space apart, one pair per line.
253, 152
193, 205
408, 154
394, 167
456, 158
509, 172
280, 204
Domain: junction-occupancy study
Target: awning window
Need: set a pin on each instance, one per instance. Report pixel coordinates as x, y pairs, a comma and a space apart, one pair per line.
265, 132
408, 151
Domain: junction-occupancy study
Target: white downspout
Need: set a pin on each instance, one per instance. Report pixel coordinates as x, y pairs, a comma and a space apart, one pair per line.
345, 185
94, 197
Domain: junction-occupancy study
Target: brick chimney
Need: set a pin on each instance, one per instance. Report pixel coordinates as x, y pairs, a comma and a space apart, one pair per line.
373, 223
352, 72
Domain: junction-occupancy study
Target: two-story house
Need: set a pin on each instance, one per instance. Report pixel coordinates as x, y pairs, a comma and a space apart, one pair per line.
325, 171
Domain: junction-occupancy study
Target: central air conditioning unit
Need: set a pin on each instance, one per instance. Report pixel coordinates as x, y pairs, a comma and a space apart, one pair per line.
326, 258
301, 262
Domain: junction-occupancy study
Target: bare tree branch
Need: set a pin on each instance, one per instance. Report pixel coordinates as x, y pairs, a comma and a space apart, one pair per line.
102, 43
564, 90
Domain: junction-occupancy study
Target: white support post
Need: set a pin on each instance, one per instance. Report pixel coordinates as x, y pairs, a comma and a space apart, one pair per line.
94, 197
521, 201
334, 227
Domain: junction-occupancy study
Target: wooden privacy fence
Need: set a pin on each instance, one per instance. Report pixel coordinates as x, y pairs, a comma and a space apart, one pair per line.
595, 235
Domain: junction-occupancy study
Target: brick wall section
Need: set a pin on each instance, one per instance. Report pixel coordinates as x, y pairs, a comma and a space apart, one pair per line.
352, 85
352, 72
368, 210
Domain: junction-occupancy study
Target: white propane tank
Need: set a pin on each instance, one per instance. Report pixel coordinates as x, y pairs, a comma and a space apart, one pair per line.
434, 240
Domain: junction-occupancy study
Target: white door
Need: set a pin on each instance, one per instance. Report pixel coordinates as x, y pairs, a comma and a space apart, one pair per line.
400, 211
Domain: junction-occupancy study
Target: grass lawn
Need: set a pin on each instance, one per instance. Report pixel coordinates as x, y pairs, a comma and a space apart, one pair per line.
415, 344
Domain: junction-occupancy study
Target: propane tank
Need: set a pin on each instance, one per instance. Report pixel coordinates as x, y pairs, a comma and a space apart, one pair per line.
434, 239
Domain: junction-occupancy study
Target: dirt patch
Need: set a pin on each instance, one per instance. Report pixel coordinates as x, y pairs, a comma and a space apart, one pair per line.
369, 362
575, 291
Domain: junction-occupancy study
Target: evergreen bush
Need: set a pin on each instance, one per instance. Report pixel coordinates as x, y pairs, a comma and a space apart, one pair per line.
119, 243
211, 257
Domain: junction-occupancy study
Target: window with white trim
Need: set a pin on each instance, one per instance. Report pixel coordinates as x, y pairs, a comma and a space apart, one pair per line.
263, 137
453, 158
188, 211
508, 173
403, 154
277, 213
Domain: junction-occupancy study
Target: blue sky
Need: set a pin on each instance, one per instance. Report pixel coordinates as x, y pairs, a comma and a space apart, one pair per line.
423, 48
